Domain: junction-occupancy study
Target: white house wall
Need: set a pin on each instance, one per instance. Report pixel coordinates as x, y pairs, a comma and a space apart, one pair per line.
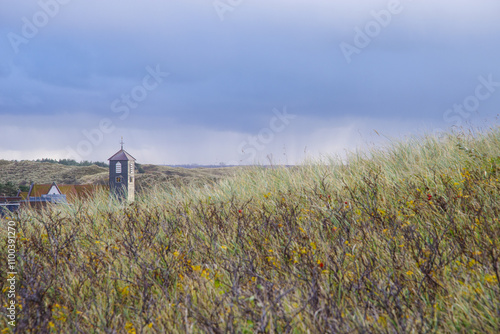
53, 191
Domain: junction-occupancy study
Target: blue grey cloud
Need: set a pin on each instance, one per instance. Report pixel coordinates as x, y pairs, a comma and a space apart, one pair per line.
227, 75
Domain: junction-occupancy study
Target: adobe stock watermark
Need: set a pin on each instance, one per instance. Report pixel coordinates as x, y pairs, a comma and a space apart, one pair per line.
32, 26
249, 148
371, 30
224, 6
121, 107
11, 273
462, 111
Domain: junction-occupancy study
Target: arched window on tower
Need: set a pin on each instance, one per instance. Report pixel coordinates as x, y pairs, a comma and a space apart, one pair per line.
118, 167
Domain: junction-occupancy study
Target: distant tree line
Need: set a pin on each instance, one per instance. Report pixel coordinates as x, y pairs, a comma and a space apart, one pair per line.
72, 162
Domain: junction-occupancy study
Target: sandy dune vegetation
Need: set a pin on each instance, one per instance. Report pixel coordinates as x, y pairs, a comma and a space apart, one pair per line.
403, 239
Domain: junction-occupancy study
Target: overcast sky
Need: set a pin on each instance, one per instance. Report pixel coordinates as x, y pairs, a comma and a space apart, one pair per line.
238, 81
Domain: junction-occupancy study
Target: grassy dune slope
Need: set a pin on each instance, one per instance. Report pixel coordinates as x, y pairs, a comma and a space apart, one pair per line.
404, 241
24, 172
161, 175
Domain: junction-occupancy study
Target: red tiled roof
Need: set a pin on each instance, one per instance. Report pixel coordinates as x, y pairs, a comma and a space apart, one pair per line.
68, 190
72, 191
39, 189
86, 189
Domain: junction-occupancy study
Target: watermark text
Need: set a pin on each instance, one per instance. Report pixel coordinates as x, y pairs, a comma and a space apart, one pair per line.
11, 273
32, 26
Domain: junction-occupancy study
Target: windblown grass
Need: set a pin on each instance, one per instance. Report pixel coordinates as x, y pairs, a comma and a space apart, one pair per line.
403, 239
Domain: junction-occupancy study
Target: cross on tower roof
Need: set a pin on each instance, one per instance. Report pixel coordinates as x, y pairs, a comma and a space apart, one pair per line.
122, 154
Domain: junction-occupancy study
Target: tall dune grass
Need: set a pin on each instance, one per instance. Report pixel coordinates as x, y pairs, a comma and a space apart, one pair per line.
400, 239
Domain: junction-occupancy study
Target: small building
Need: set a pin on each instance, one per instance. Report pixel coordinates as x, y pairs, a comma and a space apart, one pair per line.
59, 194
122, 175
37, 190
44, 200
9, 204
39, 195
